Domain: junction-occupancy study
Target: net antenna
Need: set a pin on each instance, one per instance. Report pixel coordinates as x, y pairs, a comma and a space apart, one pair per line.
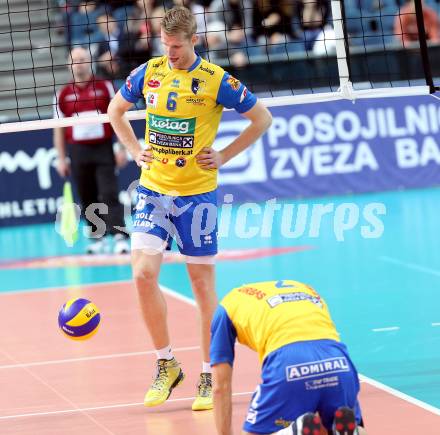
424, 47
348, 88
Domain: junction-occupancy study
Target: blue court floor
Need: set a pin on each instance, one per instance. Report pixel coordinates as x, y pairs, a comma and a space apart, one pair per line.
383, 291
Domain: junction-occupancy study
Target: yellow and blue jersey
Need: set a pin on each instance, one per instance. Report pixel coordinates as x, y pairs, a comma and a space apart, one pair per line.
266, 316
183, 112
289, 325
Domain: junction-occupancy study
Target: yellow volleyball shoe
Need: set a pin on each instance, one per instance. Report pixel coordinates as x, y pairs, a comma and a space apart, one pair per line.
203, 400
169, 375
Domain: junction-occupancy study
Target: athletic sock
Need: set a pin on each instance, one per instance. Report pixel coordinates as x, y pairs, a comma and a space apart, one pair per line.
165, 353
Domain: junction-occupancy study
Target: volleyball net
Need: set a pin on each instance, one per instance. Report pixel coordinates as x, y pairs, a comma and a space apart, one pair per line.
285, 51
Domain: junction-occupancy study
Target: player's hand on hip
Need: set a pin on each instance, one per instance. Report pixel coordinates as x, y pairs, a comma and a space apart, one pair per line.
63, 168
209, 158
144, 158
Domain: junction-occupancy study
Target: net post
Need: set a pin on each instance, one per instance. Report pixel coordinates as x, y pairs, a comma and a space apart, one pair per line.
342, 49
424, 46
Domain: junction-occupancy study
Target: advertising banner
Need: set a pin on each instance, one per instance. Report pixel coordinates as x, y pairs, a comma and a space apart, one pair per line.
310, 150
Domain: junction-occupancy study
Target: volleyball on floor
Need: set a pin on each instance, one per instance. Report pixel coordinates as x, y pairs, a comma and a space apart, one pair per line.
79, 319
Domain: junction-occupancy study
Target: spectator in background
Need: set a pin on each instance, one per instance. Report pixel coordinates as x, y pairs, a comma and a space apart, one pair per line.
229, 27
122, 47
272, 21
236, 14
140, 25
92, 161
107, 53
139, 21
325, 42
138, 41
405, 24
313, 16
216, 41
83, 27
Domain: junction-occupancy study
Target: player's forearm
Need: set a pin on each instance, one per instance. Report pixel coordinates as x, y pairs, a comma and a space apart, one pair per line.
223, 409
246, 138
124, 131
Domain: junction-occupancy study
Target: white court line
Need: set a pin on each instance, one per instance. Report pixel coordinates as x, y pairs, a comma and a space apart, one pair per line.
64, 287
93, 358
99, 408
413, 266
389, 328
166, 290
400, 395
435, 324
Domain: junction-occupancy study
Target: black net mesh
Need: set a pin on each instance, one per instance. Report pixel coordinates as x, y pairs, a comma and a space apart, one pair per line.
276, 47
383, 36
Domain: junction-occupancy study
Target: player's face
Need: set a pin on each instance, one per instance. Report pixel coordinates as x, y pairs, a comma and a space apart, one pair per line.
179, 49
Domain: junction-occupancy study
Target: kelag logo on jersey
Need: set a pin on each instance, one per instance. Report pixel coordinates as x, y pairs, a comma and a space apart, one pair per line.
171, 133
210, 71
164, 124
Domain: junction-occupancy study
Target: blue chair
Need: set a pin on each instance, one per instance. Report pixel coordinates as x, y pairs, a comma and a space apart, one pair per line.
277, 48
387, 24
295, 46
354, 25
254, 51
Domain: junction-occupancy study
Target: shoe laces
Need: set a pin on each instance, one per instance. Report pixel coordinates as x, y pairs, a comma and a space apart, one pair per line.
161, 375
205, 385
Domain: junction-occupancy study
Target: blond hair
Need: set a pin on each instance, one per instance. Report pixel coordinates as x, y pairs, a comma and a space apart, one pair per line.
179, 20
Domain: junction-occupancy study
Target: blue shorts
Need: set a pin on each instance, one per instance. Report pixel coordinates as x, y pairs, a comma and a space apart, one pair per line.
302, 377
190, 220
